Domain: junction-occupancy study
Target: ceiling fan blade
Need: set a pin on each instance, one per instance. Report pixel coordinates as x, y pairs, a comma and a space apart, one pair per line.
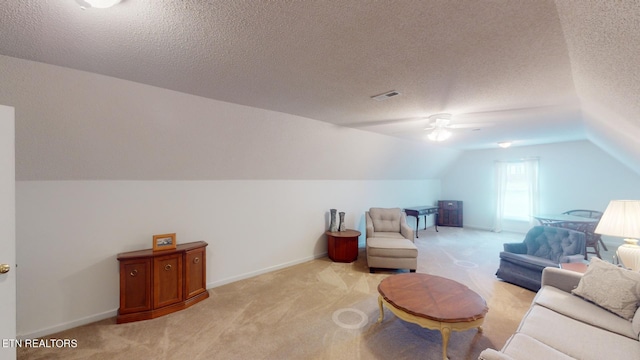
471, 125
513, 111
385, 122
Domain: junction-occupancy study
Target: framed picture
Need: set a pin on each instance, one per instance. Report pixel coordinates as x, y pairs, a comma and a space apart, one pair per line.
164, 242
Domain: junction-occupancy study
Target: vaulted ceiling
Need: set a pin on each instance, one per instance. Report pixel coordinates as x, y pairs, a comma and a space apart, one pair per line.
530, 72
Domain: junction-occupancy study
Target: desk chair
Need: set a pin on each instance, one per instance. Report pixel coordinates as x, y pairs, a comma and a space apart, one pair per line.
593, 240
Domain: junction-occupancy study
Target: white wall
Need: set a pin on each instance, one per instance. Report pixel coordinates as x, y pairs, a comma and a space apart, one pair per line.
573, 175
71, 231
103, 164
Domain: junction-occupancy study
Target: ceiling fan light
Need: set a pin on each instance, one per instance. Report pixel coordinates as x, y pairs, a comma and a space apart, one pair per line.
102, 4
439, 134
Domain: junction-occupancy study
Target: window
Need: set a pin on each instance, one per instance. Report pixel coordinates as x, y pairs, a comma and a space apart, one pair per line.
516, 191
516, 199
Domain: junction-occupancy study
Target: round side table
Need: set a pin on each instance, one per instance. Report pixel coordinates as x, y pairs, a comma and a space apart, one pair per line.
343, 245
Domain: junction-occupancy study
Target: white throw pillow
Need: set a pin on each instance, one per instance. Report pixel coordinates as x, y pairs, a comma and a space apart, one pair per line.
610, 287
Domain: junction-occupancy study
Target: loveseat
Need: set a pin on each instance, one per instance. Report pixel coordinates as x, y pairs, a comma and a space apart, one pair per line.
522, 263
562, 325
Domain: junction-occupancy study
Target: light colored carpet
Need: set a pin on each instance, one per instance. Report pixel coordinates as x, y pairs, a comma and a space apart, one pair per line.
315, 310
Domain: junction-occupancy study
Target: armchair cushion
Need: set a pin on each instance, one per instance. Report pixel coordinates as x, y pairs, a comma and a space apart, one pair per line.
385, 220
390, 247
553, 243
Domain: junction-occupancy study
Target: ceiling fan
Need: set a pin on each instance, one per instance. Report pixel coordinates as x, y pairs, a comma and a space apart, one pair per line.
440, 126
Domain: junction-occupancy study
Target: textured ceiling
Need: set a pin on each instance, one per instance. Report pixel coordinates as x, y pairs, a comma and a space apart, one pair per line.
505, 65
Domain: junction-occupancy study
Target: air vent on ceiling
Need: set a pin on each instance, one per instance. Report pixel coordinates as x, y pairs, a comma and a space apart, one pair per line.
385, 96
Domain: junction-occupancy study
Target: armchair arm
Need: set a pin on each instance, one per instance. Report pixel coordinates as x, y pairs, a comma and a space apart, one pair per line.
572, 258
369, 223
405, 229
516, 248
491, 354
407, 232
564, 280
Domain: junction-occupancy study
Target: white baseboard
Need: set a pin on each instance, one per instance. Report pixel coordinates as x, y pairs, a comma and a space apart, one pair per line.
69, 325
263, 271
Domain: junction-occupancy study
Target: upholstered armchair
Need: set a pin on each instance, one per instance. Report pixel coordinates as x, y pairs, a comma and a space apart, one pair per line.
390, 240
543, 246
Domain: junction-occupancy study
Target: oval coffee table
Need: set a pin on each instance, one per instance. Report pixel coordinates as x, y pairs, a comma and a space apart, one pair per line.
432, 302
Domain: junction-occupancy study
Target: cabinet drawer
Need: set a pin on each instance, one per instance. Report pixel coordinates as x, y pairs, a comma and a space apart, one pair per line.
450, 205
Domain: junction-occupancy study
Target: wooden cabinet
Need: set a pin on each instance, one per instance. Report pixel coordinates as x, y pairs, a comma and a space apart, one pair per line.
156, 283
450, 213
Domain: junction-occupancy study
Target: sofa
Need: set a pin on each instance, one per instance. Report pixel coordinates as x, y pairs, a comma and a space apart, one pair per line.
543, 246
390, 240
593, 316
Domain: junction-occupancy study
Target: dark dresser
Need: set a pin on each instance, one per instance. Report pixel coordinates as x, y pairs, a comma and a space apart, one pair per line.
450, 213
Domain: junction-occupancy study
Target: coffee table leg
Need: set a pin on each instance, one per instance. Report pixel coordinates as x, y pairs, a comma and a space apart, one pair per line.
446, 332
381, 309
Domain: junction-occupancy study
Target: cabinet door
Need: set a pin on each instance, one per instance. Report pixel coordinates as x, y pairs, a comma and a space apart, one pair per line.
196, 277
135, 286
167, 280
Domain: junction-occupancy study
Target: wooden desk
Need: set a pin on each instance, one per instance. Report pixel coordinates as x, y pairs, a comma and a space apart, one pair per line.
432, 302
343, 245
422, 211
560, 219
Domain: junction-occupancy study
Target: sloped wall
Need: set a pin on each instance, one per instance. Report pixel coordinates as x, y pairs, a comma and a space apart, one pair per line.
103, 164
74, 125
602, 41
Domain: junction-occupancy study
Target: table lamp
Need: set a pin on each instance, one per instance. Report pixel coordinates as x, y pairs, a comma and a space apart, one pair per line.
622, 219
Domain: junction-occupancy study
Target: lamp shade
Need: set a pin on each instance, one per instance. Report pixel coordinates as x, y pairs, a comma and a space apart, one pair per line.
621, 219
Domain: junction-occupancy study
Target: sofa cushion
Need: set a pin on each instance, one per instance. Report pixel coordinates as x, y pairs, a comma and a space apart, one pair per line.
382, 234
523, 347
587, 312
389, 247
575, 338
611, 287
385, 220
